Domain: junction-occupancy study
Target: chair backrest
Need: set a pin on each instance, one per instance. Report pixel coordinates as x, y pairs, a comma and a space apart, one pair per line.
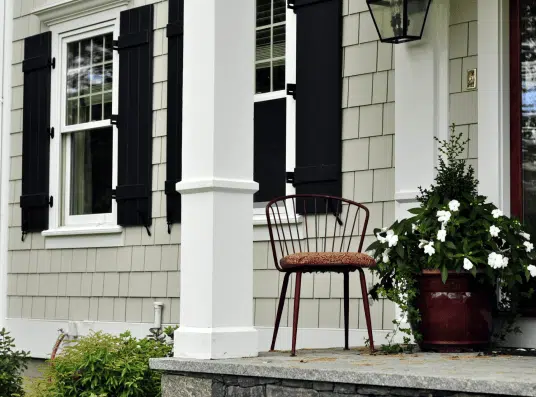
315, 223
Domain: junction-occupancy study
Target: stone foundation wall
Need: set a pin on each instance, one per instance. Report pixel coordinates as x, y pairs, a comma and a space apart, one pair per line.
202, 385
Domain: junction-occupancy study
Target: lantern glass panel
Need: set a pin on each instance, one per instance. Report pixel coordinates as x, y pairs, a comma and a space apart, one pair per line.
417, 10
388, 17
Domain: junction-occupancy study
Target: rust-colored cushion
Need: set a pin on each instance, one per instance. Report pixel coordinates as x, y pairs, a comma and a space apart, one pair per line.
327, 259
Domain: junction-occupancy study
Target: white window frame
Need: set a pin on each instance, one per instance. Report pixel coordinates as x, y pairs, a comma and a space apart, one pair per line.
67, 130
259, 213
66, 231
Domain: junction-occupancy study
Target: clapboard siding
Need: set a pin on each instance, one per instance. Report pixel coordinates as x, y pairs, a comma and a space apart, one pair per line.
120, 284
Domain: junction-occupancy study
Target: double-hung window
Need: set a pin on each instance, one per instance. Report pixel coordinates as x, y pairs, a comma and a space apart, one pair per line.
84, 153
274, 142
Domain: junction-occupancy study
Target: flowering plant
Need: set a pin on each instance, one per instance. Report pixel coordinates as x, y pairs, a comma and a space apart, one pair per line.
453, 229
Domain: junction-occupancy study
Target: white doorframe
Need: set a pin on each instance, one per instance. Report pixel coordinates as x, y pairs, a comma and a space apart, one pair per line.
6, 19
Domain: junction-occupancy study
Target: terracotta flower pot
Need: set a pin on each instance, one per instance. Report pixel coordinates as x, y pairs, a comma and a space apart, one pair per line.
455, 315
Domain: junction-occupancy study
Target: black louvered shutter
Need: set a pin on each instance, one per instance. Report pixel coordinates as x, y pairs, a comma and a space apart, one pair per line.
270, 149
318, 97
175, 34
134, 121
36, 67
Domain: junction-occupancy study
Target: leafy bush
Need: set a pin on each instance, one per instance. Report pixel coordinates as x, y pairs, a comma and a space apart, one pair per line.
12, 364
453, 229
103, 365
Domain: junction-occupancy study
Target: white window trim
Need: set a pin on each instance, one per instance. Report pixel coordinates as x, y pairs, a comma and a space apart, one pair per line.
259, 217
99, 232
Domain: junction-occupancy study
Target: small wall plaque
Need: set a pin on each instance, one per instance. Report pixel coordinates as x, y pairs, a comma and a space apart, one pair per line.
471, 79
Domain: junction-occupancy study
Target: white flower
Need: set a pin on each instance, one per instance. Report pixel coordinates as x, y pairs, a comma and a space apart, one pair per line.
467, 264
390, 237
429, 248
413, 227
385, 256
526, 236
497, 261
443, 216
454, 205
380, 238
528, 246
441, 235
494, 231
497, 213
422, 243
532, 270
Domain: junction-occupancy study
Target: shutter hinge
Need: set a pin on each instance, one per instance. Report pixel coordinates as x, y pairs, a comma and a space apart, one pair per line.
291, 4
51, 201
115, 45
114, 194
291, 90
290, 177
53, 63
50, 131
114, 119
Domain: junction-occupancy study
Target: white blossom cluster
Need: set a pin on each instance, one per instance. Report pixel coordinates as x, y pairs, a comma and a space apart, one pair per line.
495, 260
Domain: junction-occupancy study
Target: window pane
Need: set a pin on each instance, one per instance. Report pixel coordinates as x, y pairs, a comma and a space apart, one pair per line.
96, 79
263, 45
83, 115
107, 105
279, 75
264, 12
263, 78
270, 45
89, 71
91, 172
72, 112
97, 51
280, 11
96, 107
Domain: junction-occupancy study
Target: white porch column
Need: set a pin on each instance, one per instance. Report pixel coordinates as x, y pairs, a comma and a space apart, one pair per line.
421, 107
494, 102
216, 319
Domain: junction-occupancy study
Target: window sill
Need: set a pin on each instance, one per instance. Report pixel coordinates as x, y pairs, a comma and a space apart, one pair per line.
84, 237
260, 225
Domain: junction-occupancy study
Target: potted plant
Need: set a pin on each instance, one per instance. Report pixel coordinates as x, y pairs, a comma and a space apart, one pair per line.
454, 261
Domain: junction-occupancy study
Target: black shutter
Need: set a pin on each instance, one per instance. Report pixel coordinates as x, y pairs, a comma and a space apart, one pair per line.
134, 122
175, 34
318, 97
36, 134
270, 149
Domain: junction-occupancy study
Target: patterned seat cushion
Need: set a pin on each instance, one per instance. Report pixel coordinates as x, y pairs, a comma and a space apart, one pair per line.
327, 259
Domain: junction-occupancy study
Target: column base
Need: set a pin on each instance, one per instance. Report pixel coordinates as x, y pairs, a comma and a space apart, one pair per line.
216, 343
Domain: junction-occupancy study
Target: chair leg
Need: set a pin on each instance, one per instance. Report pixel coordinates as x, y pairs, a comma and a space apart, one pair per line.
280, 308
364, 292
297, 293
346, 308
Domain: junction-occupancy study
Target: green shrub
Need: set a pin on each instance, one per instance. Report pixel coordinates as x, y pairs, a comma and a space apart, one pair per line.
103, 365
12, 364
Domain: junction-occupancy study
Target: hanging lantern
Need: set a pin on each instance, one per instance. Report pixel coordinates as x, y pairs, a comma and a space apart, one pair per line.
399, 21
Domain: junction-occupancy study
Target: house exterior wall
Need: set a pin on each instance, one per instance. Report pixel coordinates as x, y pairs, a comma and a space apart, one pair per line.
463, 55
120, 284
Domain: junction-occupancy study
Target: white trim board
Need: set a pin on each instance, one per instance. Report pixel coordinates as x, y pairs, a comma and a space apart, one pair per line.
39, 336
6, 18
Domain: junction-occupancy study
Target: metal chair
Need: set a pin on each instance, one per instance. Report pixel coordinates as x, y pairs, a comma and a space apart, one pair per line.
315, 233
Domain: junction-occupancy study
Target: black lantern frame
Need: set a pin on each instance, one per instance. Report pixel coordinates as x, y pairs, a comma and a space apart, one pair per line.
400, 22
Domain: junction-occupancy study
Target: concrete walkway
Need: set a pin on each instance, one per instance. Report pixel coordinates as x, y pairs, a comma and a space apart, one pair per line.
468, 373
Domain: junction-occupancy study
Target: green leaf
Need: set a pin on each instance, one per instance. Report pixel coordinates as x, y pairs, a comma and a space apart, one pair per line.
444, 274
400, 250
450, 245
415, 211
